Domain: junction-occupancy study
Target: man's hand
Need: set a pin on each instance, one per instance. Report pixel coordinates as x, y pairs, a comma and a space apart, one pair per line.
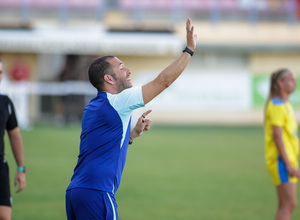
143, 124
190, 36
20, 181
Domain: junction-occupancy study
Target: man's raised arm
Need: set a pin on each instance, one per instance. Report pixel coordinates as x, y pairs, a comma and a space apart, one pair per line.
173, 71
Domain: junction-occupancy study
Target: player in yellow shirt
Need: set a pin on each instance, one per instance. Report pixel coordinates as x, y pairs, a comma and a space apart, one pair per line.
281, 141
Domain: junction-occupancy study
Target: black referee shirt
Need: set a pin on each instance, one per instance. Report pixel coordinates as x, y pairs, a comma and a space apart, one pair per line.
8, 120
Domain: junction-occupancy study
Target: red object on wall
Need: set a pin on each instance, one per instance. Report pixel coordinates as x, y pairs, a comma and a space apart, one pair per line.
20, 71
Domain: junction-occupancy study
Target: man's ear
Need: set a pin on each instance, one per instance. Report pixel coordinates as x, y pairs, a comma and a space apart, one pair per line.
109, 79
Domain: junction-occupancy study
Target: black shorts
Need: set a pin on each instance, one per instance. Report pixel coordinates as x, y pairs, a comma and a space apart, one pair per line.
5, 197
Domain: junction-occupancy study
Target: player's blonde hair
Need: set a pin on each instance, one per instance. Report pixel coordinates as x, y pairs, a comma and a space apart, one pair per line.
274, 87
275, 77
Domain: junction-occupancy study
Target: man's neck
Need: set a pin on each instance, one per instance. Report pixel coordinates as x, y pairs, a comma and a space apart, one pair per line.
110, 90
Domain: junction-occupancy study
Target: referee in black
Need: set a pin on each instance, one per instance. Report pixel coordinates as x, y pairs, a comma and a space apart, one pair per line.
8, 122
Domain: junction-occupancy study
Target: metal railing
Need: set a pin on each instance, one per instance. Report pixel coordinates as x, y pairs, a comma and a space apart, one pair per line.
251, 11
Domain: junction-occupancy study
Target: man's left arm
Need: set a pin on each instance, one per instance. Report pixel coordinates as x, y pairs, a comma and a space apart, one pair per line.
18, 152
143, 124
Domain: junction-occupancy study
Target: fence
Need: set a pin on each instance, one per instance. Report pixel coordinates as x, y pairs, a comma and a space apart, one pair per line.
139, 10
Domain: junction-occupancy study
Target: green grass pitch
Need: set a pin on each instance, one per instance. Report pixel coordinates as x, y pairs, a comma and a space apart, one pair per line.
172, 173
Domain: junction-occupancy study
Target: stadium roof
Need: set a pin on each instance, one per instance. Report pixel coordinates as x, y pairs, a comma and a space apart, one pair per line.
81, 41
96, 40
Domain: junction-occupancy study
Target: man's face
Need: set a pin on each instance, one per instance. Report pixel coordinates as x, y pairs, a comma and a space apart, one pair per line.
122, 74
1, 71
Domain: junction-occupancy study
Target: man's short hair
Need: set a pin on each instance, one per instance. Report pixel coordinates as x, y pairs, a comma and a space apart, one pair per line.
98, 69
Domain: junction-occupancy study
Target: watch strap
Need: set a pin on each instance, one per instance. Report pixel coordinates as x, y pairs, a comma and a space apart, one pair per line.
21, 169
188, 50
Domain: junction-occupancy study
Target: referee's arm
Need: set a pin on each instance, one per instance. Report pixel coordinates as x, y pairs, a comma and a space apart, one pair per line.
18, 152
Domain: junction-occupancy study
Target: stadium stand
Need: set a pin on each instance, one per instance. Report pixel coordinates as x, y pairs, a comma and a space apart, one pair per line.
243, 37
141, 10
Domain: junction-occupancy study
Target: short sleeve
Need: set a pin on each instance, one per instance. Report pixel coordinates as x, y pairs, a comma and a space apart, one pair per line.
128, 100
12, 119
277, 115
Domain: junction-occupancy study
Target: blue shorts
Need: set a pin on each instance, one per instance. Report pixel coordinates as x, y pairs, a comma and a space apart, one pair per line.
82, 204
279, 173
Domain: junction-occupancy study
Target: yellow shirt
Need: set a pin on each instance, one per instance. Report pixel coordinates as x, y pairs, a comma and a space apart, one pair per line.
280, 113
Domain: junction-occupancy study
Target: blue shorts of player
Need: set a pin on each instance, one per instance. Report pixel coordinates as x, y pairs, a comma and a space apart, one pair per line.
83, 204
279, 173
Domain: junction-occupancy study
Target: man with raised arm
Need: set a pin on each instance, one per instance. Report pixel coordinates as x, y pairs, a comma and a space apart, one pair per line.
106, 131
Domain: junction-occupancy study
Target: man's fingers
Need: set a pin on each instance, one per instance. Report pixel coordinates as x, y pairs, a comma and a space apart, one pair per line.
22, 186
147, 124
146, 113
188, 25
